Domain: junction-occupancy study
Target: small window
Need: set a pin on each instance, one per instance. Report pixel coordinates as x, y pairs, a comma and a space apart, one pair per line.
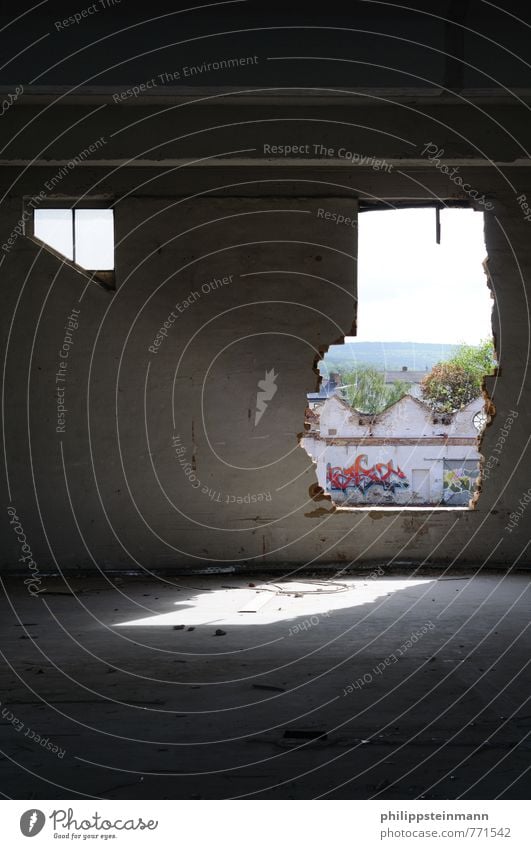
84, 236
54, 227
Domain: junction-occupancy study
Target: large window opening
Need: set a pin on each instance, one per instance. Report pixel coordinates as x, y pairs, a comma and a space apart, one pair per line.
400, 409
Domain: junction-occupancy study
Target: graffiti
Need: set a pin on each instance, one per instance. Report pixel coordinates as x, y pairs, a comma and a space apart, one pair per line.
363, 478
459, 481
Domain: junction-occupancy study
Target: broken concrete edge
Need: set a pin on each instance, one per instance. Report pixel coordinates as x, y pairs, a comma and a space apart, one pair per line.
487, 393
490, 410
316, 491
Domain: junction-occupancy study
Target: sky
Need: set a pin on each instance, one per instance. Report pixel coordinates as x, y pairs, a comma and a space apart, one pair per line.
412, 289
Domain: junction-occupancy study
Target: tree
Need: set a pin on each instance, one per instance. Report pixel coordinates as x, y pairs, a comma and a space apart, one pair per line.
365, 389
448, 387
478, 360
452, 384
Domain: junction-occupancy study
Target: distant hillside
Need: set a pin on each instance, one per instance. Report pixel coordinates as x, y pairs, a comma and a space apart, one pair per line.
417, 356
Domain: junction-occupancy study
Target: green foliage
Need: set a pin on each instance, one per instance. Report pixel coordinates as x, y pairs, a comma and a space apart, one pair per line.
476, 359
366, 391
448, 387
452, 384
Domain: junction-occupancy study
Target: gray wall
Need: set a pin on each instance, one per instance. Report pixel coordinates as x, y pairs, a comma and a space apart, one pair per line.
122, 498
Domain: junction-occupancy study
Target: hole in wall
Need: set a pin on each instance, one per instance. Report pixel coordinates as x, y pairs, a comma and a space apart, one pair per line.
400, 410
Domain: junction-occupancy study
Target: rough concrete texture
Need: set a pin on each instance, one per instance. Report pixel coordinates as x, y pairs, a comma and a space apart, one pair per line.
390, 687
111, 489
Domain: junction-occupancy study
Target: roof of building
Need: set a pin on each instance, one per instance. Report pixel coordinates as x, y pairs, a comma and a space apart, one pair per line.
327, 389
407, 398
407, 376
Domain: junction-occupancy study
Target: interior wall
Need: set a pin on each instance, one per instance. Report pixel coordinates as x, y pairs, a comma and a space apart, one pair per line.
112, 490
159, 458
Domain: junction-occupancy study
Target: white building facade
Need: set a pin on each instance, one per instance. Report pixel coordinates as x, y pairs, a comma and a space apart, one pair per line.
405, 455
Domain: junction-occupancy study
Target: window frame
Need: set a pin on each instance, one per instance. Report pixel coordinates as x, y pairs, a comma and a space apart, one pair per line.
107, 278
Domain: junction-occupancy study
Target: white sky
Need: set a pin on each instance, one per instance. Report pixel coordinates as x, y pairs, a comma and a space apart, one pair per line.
412, 289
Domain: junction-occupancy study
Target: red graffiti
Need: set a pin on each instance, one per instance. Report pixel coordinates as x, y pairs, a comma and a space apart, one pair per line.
381, 474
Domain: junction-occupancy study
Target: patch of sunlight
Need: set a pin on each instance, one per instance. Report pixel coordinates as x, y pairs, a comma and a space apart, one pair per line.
272, 602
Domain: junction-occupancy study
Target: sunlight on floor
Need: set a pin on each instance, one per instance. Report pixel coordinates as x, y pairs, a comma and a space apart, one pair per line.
269, 603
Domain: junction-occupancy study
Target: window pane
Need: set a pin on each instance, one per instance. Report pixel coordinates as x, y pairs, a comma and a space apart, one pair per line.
94, 236
54, 226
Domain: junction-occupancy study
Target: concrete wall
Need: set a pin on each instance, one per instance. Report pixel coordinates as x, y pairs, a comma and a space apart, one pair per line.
158, 457
122, 498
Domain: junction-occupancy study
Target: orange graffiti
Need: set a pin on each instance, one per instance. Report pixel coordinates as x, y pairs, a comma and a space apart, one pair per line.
358, 475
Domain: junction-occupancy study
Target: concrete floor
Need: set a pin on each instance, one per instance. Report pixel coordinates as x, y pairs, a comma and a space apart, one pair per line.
267, 708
